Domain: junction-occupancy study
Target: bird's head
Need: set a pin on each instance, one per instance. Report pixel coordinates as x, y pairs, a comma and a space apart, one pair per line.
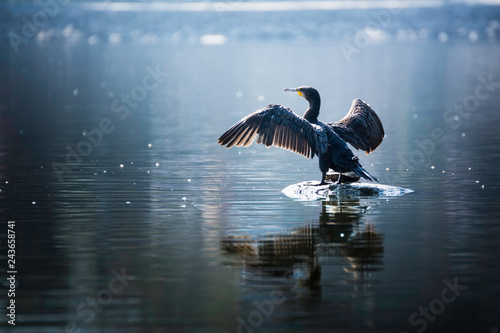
309, 93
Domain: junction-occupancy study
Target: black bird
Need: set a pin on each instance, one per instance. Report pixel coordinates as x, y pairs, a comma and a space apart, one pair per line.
279, 126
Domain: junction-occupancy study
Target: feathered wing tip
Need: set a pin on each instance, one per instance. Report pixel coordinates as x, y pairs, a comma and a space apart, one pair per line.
361, 127
363, 173
276, 125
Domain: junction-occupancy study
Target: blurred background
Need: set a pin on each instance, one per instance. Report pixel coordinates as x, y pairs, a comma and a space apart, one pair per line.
130, 218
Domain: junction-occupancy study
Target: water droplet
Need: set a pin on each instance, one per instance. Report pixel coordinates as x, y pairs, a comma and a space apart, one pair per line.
473, 36
184, 198
115, 38
463, 135
432, 167
150, 145
189, 180
341, 234
93, 39
121, 165
33, 203
386, 169
239, 94
127, 202
261, 98
157, 164
76, 92
443, 37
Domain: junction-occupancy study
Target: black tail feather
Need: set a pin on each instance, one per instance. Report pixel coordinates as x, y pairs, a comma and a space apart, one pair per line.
363, 173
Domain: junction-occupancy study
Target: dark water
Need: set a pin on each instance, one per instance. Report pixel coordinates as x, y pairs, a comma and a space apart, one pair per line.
201, 237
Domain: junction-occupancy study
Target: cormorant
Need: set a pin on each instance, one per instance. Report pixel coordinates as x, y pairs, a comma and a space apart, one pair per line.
279, 126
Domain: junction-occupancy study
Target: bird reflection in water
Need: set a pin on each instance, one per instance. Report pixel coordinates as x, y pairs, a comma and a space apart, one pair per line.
298, 254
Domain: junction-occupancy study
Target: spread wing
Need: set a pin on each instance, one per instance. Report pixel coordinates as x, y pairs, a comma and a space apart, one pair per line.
361, 127
276, 125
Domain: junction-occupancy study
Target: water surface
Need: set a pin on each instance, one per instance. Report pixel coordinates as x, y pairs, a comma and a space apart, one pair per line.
204, 235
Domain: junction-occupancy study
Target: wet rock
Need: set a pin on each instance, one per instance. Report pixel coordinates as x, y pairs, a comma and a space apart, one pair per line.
309, 190
346, 178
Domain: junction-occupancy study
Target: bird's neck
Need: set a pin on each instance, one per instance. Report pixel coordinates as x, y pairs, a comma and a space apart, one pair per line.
312, 112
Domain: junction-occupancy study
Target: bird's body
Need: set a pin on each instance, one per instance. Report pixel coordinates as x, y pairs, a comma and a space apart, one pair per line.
279, 126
